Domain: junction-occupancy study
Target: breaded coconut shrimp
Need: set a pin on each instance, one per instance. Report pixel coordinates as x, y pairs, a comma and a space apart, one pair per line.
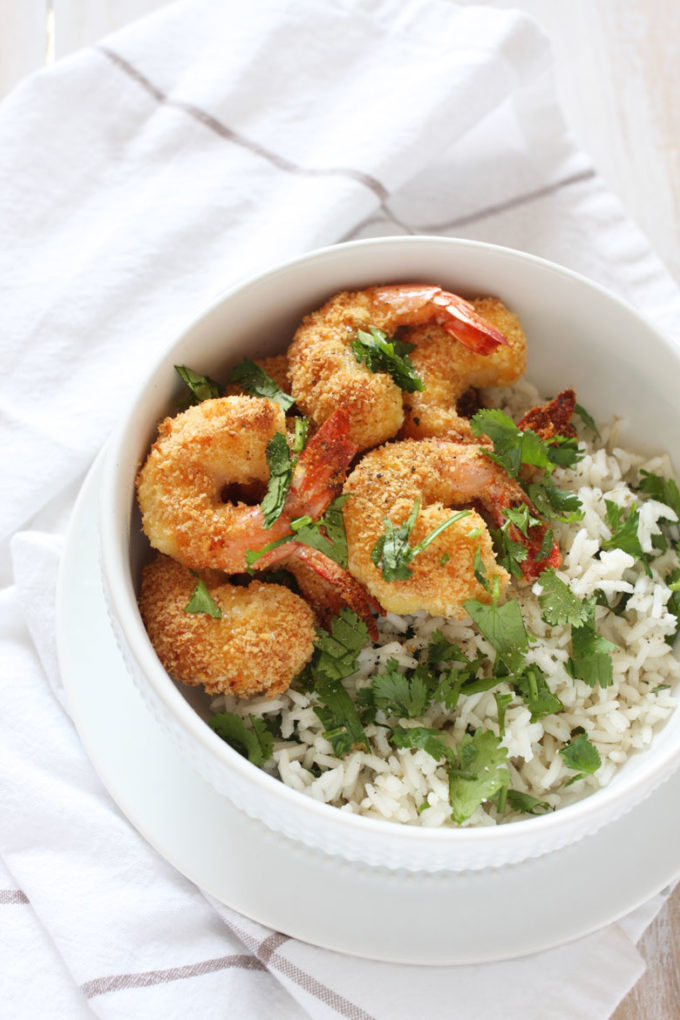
439, 475
449, 370
200, 488
325, 373
261, 642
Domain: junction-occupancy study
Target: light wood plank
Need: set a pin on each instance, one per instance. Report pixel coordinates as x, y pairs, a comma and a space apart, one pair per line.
656, 996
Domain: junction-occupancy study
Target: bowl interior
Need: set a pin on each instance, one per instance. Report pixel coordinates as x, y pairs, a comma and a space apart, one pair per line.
578, 335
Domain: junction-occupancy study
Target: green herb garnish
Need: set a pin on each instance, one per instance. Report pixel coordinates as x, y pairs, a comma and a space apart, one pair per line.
503, 627
256, 744
558, 603
337, 712
337, 651
392, 552
280, 475
404, 694
480, 773
536, 694
381, 354
582, 756
201, 600
201, 387
258, 383
519, 801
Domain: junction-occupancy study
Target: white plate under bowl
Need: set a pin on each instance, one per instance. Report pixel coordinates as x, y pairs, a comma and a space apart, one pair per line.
399, 916
578, 335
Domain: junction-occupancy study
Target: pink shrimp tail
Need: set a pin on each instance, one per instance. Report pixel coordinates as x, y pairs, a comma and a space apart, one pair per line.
320, 472
415, 303
324, 584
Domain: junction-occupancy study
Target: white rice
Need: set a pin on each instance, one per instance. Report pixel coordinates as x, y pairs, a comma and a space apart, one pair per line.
410, 786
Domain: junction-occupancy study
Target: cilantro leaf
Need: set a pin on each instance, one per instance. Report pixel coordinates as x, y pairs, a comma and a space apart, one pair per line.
504, 629
398, 693
280, 475
201, 600
525, 802
512, 446
380, 354
255, 744
392, 552
558, 603
590, 659
327, 534
424, 738
673, 582
582, 756
555, 504
586, 418
502, 703
337, 712
665, 490
480, 773
536, 694
624, 530
337, 652
201, 387
258, 383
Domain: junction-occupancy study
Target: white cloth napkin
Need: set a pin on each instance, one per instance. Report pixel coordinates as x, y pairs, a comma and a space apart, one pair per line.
137, 180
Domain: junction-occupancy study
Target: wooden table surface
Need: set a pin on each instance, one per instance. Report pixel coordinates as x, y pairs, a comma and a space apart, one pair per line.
618, 77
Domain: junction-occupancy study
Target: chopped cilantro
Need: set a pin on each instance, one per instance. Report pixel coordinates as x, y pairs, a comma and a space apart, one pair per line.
380, 354
558, 603
481, 771
258, 383
509, 553
582, 756
673, 582
665, 490
525, 802
327, 534
555, 504
624, 529
399, 693
201, 387
280, 475
502, 703
512, 446
586, 418
424, 738
201, 601
337, 712
536, 694
337, 652
256, 744
392, 552
503, 627
590, 659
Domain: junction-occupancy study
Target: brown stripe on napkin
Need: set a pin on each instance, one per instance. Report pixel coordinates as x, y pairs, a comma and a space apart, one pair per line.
12, 896
478, 214
215, 125
267, 952
143, 979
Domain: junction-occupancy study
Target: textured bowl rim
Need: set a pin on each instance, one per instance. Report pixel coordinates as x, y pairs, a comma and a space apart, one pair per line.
583, 814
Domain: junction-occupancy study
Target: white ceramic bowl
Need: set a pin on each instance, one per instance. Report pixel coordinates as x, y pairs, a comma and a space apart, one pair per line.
578, 335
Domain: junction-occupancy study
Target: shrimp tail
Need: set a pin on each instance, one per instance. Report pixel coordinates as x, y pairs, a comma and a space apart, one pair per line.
321, 468
417, 303
325, 585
